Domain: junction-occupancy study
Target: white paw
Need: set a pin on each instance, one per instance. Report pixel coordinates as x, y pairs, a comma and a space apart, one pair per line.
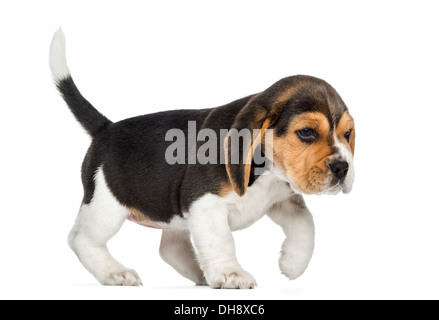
294, 260
230, 279
122, 278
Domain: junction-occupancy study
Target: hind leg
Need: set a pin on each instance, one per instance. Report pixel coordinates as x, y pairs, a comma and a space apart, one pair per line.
176, 249
96, 223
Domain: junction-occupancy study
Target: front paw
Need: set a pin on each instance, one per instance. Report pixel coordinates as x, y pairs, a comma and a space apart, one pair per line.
126, 277
230, 279
294, 259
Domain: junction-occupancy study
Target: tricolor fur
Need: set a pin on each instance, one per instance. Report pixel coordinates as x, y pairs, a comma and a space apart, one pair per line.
125, 176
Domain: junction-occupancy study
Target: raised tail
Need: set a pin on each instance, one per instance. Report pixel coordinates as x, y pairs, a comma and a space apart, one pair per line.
87, 115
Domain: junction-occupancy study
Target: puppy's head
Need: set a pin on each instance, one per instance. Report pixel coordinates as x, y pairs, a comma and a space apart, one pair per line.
313, 136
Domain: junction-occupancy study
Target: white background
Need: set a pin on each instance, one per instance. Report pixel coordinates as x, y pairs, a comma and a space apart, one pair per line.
135, 57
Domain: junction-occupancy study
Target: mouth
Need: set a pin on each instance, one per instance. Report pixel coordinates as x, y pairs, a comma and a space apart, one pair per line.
334, 189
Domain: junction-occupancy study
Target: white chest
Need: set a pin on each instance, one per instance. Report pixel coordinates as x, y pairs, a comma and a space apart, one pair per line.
240, 212
245, 210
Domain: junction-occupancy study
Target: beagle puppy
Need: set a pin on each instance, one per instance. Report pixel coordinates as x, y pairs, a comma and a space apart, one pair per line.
126, 176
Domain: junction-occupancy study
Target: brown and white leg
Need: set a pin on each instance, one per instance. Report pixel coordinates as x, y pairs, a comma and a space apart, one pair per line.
213, 240
96, 223
176, 249
298, 225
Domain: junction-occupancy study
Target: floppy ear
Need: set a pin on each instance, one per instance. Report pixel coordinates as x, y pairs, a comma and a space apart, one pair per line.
241, 141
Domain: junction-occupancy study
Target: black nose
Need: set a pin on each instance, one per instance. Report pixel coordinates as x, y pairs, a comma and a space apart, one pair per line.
339, 169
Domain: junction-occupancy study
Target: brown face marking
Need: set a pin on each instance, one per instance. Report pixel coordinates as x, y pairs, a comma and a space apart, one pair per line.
306, 165
346, 123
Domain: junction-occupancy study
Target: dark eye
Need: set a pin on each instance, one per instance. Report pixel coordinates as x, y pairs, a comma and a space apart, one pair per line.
347, 135
307, 135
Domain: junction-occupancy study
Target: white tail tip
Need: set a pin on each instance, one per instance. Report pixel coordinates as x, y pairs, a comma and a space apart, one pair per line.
57, 56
